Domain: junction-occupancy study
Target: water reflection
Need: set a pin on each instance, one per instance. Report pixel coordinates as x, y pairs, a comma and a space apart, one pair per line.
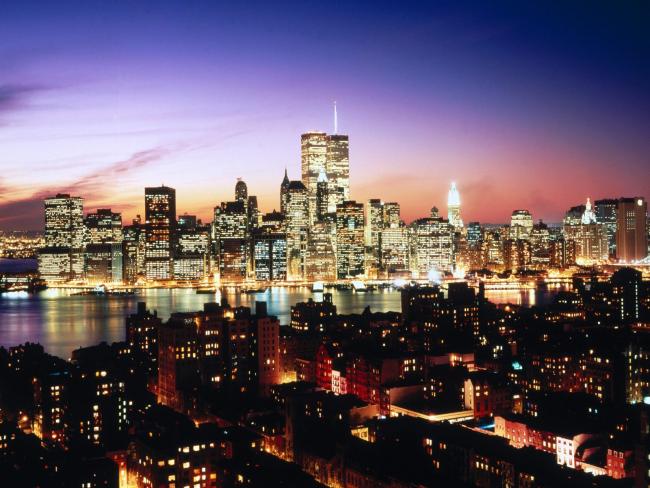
63, 322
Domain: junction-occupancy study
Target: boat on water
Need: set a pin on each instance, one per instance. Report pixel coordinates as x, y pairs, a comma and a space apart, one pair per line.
206, 291
252, 291
317, 287
103, 291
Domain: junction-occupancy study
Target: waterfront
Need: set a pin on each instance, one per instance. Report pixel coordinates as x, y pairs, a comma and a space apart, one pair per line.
62, 322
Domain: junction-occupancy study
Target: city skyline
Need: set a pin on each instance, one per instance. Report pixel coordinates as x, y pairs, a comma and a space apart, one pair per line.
486, 98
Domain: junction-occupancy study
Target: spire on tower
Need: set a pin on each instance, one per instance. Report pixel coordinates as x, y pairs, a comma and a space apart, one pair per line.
336, 120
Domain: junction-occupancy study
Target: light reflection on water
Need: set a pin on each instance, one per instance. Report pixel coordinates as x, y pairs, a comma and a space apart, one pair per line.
63, 322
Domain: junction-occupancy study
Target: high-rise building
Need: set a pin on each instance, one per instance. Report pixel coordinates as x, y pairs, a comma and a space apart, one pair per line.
521, 224
103, 258
103, 226
321, 152
297, 217
269, 255
320, 264
133, 252
431, 243
103, 263
453, 207
474, 233
230, 233
589, 236
322, 196
160, 225
631, 230
606, 212
284, 187
626, 293
241, 191
374, 226
62, 257
314, 161
391, 215
191, 261
540, 239
350, 256
64, 222
338, 169
394, 251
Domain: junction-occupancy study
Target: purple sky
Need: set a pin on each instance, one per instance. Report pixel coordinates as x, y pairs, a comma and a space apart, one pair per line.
524, 106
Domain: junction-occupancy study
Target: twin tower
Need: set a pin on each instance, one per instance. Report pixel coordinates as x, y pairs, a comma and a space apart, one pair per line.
325, 162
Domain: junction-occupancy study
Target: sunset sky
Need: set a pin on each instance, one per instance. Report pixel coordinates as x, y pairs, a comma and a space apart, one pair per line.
534, 105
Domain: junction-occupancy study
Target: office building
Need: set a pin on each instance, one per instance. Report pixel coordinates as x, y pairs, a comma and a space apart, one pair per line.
631, 230
606, 212
521, 224
103, 226
269, 255
350, 256
320, 256
160, 229
297, 218
65, 234
431, 244
231, 237
453, 207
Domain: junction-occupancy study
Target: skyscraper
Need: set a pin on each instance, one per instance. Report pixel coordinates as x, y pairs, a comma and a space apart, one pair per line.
331, 154
631, 230
350, 256
160, 224
314, 161
241, 191
62, 257
431, 246
589, 236
297, 218
322, 196
338, 169
453, 207
320, 260
64, 221
231, 236
284, 187
606, 212
521, 224
103, 226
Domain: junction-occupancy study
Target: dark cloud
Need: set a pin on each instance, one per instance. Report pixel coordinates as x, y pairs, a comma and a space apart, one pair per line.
14, 97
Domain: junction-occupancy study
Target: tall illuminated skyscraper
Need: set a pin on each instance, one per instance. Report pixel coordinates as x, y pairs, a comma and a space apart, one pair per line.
432, 247
284, 187
322, 196
350, 255
230, 234
314, 161
103, 226
160, 225
338, 169
331, 154
64, 225
589, 238
62, 257
297, 221
606, 211
631, 229
521, 224
453, 207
